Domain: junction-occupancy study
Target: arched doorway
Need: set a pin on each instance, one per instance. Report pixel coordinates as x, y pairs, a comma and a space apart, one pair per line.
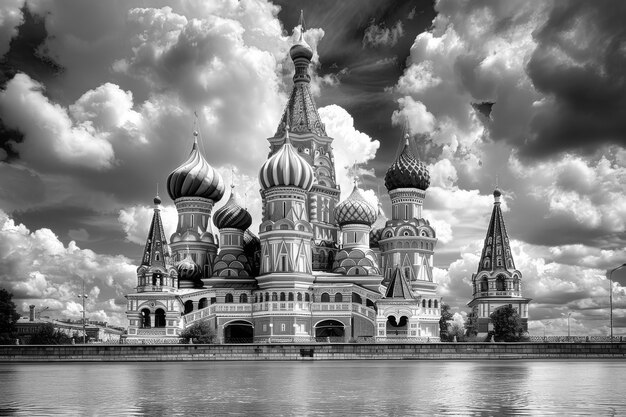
238, 331
188, 306
145, 318
203, 303
159, 318
330, 330
397, 327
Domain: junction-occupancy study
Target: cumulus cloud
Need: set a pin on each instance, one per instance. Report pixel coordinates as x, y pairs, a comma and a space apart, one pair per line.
350, 146
10, 18
50, 133
39, 269
136, 220
380, 35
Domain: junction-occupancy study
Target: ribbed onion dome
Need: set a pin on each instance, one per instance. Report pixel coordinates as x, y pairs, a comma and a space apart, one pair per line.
286, 168
407, 171
355, 209
187, 269
232, 215
195, 178
301, 49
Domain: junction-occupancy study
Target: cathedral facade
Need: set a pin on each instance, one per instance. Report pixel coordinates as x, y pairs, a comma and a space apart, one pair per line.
317, 269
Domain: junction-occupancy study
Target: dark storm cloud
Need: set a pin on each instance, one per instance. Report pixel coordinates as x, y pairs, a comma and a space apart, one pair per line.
579, 64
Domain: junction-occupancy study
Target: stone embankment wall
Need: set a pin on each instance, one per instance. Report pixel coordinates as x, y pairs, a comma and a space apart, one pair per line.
424, 351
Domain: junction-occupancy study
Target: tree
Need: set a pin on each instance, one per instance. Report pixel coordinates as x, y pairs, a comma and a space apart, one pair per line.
507, 324
8, 317
48, 335
471, 324
446, 316
200, 332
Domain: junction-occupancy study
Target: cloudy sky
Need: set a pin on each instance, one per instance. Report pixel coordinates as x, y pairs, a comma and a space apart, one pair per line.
97, 101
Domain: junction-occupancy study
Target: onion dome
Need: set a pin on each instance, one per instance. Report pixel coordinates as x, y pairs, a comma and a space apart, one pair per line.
188, 270
232, 215
195, 178
407, 171
497, 193
301, 49
157, 200
286, 168
355, 209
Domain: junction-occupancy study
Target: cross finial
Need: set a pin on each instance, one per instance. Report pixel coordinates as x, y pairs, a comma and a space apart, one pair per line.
195, 127
232, 178
301, 22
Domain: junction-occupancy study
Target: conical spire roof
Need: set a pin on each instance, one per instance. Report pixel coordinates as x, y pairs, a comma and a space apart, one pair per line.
496, 253
300, 115
156, 253
398, 287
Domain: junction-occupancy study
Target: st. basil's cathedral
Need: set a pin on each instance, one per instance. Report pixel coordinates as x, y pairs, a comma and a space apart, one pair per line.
318, 268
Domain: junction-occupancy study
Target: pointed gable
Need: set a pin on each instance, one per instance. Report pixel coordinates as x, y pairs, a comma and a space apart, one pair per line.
398, 287
496, 254
156, 253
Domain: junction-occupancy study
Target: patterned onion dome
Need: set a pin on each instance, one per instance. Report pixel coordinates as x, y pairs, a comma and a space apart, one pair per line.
188, 270
407, 171
355, 209
195, 178
286, 168
232, 215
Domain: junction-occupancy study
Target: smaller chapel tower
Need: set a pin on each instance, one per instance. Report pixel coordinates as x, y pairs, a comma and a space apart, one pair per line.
497, 282
408, 240
195, 186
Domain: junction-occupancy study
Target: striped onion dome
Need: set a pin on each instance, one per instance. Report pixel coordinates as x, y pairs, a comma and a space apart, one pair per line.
407, 171
187, 269
195, 178
286, 168
232, 215
355, 209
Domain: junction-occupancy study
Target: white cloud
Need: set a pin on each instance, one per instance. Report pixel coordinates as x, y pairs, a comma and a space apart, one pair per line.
350, 146
136, 220
379, 35
38, 269
10, 18
50, 133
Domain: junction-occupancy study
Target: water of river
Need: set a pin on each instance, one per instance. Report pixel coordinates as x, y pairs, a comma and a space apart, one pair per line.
338, 388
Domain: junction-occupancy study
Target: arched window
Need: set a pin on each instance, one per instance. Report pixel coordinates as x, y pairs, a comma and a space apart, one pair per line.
243, 298
423, 303
356, 298
500, 283
188, 306
282, 296
307, 298
430, 303
338, 298
228, 298
516, 284
325, 298
290, 297
256, 299
274, 296
145, 318
436, 304
267, 296
484, 285
203, 303
299, 296
159, 318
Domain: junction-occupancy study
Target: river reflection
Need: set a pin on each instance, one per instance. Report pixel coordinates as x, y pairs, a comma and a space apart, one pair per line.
315, 388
